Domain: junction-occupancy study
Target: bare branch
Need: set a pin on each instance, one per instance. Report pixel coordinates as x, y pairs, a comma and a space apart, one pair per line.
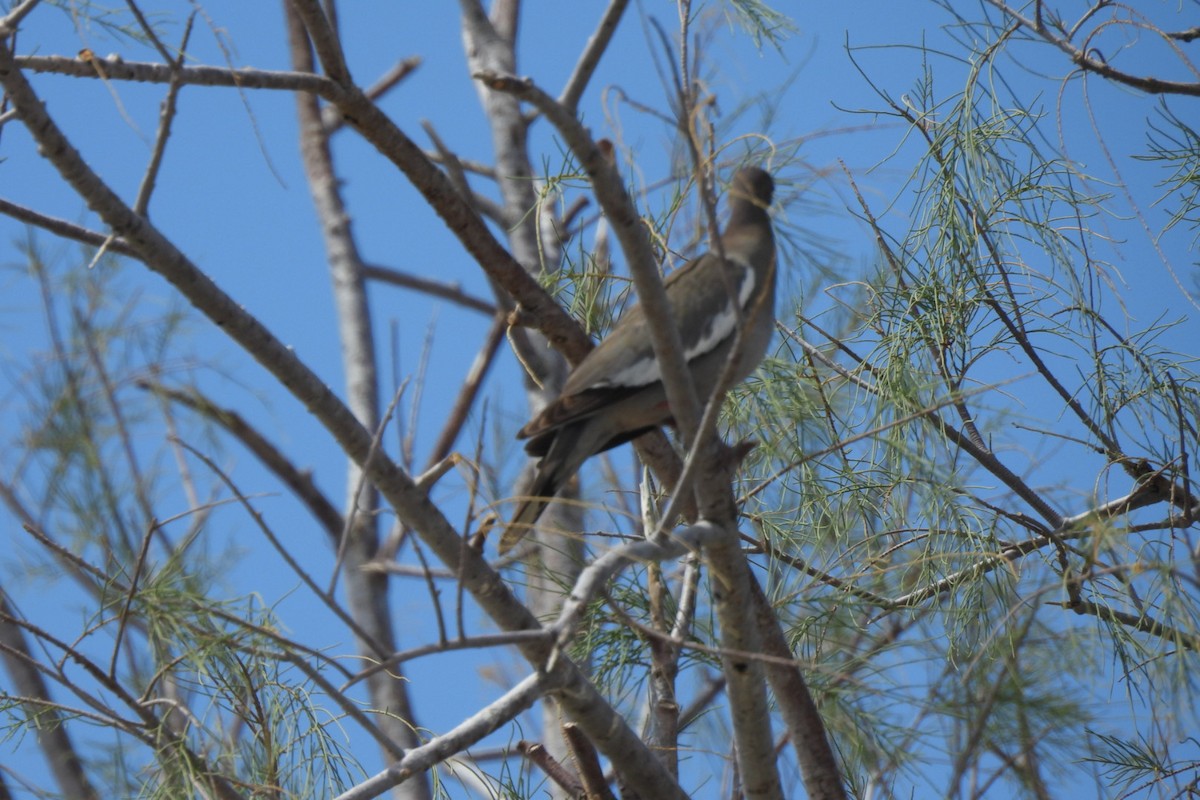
558, 327
469, 391
1091, 63
447, 291
418, 760
578, 698
332, 119
554, 769
635, 242
323, 35
733, 597
600, 572
142, 72
1138, 622
589, 59
10, 23
148, 29
366, 591
166, 115
1190, 35
810, 738
591, 775
66, 229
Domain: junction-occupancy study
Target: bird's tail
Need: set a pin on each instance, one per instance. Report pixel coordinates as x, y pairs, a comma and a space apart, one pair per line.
562, 460
527, 513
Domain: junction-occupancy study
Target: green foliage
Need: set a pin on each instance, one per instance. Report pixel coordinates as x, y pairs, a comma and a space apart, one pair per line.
762, 22
911, 538
185, 686
1175, 146
972, 502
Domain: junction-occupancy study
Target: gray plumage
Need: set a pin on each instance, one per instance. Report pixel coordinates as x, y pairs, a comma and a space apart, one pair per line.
615, 393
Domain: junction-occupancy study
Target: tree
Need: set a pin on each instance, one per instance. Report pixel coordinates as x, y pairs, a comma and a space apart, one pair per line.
966, 505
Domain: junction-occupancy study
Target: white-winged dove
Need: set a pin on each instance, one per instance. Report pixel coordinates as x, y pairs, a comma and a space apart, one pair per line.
616, 393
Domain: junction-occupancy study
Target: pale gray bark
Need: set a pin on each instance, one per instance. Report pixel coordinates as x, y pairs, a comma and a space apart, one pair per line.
489, 43
367, 591
578, 697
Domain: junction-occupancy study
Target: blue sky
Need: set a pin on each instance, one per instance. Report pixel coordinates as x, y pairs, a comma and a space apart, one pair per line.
233, 197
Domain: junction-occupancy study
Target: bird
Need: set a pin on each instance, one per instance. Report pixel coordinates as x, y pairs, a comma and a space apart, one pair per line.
615, 393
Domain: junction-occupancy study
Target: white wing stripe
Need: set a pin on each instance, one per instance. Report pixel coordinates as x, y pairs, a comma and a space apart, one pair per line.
639, 373
724, 323
645, 371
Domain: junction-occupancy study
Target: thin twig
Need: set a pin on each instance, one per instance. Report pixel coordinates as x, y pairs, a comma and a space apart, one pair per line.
419, 759
447, 646
582, 702
152, 35
362, 486
268, 454
327, 598
134, 577
470, 390
1090, 63
597, 44
9, 23
66, 229
165, 118
332, 119
447, 291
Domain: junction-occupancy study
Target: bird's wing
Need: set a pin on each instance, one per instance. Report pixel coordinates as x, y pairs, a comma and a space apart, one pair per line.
704, 301
570, 408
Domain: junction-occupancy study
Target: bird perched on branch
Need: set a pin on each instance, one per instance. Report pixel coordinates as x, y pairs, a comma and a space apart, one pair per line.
616, 392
